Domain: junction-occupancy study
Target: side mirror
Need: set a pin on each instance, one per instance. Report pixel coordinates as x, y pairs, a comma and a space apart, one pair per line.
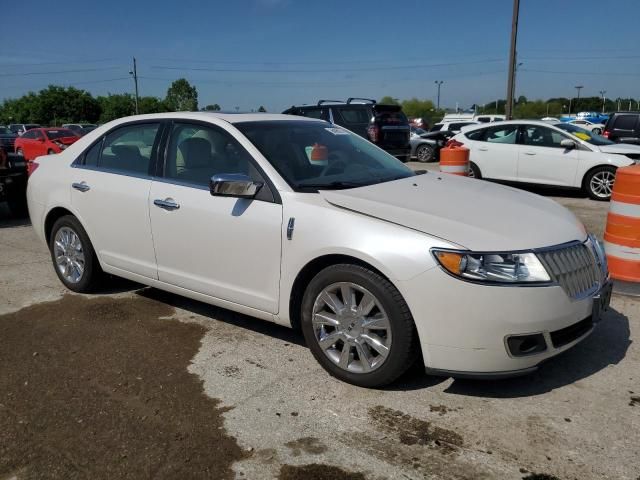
233, 185
568, 144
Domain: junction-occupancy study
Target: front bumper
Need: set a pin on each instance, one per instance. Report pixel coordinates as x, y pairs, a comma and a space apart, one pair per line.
464, 327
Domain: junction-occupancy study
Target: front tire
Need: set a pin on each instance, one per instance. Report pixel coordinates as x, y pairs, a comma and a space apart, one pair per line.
425, 153
596, 131
358, 326
73, 256
598, 183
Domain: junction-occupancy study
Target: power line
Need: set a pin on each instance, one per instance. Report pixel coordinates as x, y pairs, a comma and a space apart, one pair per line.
78, 62
82, 70
332, 70
624, 74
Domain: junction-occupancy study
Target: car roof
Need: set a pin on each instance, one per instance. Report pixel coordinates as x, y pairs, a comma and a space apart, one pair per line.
227, 117
540, 123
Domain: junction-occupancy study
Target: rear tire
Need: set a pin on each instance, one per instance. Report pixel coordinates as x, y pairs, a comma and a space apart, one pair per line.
598, 183
474, 171
73, 256
374, 337
425, 153
596, 131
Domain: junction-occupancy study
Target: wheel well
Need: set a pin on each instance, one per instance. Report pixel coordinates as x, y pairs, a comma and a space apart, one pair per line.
309, 271
52, 217
588, 172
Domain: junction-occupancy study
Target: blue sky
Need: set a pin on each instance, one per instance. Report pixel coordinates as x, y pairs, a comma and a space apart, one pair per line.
276, 53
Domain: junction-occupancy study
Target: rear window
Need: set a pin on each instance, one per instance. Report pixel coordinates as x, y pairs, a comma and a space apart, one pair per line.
354, 115
458, 126
625, 122
436, 128
392, 118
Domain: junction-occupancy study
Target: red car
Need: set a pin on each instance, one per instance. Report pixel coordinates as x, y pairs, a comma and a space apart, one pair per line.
44, 141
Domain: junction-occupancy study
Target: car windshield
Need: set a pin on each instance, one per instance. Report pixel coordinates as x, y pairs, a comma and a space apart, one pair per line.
583, 134
63, 132
317, 155
418, 131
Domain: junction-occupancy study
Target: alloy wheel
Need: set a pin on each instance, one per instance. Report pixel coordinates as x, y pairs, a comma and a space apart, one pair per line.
601, 183
424, 153
69, 255
351, 327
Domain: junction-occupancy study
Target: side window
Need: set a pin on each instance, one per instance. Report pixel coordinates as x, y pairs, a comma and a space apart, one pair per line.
93, 154
483, 119
542, 137
196, 153
314, 113
476, 134
128, 149
625, 122
353, 115
505, 134
29, 135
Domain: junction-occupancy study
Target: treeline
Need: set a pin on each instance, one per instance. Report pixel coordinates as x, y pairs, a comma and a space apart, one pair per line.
558, 106
56, 105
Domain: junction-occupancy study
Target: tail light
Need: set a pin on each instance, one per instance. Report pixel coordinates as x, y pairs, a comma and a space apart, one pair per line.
605, 134
31, 167
374, 133
452, 143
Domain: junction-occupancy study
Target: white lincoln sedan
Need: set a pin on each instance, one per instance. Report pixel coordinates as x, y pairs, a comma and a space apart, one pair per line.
536, 152
300, 222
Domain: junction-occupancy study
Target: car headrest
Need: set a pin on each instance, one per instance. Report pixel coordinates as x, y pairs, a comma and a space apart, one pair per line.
196, 152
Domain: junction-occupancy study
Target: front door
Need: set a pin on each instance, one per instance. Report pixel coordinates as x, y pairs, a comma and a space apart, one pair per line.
110, 192
227, 248
543, 160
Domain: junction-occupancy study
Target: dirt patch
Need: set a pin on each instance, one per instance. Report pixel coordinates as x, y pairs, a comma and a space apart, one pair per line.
413, 431
307, 445
316, 471
540, 476
99, 388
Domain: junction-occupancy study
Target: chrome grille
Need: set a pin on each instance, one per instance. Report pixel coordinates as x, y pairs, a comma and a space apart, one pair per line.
574, 268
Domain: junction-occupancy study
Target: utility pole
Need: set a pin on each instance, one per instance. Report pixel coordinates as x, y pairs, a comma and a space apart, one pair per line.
512, 60
604, 100
578, 88
134, 72
438, 83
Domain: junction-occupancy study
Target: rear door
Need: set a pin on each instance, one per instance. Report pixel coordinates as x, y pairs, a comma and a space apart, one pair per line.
625, 128
543, 160
495, 151
110, 192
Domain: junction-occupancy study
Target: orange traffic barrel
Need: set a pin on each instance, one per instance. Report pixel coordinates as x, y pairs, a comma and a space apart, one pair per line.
454, 159
622, 234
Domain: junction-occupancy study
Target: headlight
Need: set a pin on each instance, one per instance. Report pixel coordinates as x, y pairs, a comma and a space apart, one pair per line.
493, 267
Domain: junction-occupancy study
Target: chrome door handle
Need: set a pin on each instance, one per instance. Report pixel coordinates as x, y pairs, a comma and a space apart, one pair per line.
529, 153
82, 186
167, 204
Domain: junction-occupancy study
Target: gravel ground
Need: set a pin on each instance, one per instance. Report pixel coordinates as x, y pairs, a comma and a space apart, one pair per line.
136, 383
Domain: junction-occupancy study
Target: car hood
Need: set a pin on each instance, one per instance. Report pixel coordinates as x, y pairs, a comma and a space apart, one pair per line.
474, 214
620, 148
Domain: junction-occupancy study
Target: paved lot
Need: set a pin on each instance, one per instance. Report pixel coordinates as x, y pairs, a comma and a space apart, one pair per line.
138, 383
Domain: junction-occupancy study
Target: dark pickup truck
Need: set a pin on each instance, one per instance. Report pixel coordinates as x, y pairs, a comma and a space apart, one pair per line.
13, 182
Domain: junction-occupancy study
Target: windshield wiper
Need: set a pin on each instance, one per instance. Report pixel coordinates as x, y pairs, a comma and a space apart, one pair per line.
331, 185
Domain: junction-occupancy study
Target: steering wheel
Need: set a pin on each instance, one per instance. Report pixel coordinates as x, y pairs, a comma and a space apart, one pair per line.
337, 164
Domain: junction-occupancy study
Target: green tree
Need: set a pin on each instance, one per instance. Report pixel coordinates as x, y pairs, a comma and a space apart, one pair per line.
182, 97
115, 106
388, 100
212, 108
151, 105
419, 108
262, 109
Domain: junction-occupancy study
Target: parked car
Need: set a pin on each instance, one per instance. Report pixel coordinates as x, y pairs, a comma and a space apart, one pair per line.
425, 146
81, 129
21, 128
623, 127
44, 141
306, 224
384, 125
536, 152
7, 139
454, 127
13, 182
472, 117
596, 128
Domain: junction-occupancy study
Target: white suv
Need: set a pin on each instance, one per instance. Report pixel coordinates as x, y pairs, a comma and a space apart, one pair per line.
532, 151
